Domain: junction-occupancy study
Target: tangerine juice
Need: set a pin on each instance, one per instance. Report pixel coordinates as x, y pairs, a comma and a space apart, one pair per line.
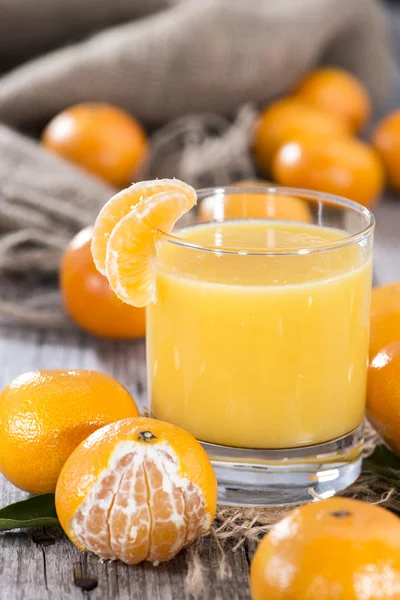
258, 337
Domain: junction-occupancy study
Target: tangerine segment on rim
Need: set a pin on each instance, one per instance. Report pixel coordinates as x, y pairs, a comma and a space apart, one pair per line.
131, 248
121, 204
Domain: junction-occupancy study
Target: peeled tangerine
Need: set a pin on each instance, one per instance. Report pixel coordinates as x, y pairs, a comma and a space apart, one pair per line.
137, 490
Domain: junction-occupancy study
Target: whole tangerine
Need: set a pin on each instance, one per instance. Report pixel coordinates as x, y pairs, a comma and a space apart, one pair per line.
338, 91
346, 167
385, 316
337, 549
285, 120
386, 140
44, 415
253, 205
137, 490
88, 298
101, 139
383, 394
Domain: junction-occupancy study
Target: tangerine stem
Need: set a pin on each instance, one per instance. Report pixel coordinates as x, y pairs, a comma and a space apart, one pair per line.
146, 436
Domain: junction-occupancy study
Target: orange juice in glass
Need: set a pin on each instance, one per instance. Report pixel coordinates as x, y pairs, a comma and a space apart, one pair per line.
257, 342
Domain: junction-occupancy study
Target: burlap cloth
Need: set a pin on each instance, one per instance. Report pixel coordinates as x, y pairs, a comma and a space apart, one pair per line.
207, 63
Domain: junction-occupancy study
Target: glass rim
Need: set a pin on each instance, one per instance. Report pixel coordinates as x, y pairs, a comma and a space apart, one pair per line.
323, 197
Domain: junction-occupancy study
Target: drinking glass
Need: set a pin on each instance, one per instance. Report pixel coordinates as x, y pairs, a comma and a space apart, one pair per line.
259, 347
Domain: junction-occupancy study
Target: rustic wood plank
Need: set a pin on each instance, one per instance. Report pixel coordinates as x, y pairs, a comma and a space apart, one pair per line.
225, 576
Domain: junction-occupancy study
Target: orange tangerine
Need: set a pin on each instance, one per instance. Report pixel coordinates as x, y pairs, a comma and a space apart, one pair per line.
386, 140
346, 167
137, 490
338, 92
385, 316
383, 394
121, 204
44, 415
88, 298
337, 549
101, 138
254, 206
285, 120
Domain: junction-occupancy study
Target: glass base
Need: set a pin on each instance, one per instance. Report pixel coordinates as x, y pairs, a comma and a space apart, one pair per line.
283, 477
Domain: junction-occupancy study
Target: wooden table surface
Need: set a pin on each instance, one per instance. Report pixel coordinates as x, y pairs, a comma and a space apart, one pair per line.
43, 564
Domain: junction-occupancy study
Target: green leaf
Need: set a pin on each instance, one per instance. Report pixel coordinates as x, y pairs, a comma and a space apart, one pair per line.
36, 511
384, 463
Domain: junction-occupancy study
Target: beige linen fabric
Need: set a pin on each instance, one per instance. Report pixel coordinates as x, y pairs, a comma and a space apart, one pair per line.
190, 56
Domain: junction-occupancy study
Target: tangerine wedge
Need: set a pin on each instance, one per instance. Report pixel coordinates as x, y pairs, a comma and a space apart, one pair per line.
121, 204
131, 248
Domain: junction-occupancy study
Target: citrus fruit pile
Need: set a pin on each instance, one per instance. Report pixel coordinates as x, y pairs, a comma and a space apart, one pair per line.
126, 487
307, 139
139, 489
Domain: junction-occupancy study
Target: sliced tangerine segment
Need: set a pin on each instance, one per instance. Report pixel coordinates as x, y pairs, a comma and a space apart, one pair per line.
92, 529
130, 518
194, 511
131, 248
167, 505
121, 204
